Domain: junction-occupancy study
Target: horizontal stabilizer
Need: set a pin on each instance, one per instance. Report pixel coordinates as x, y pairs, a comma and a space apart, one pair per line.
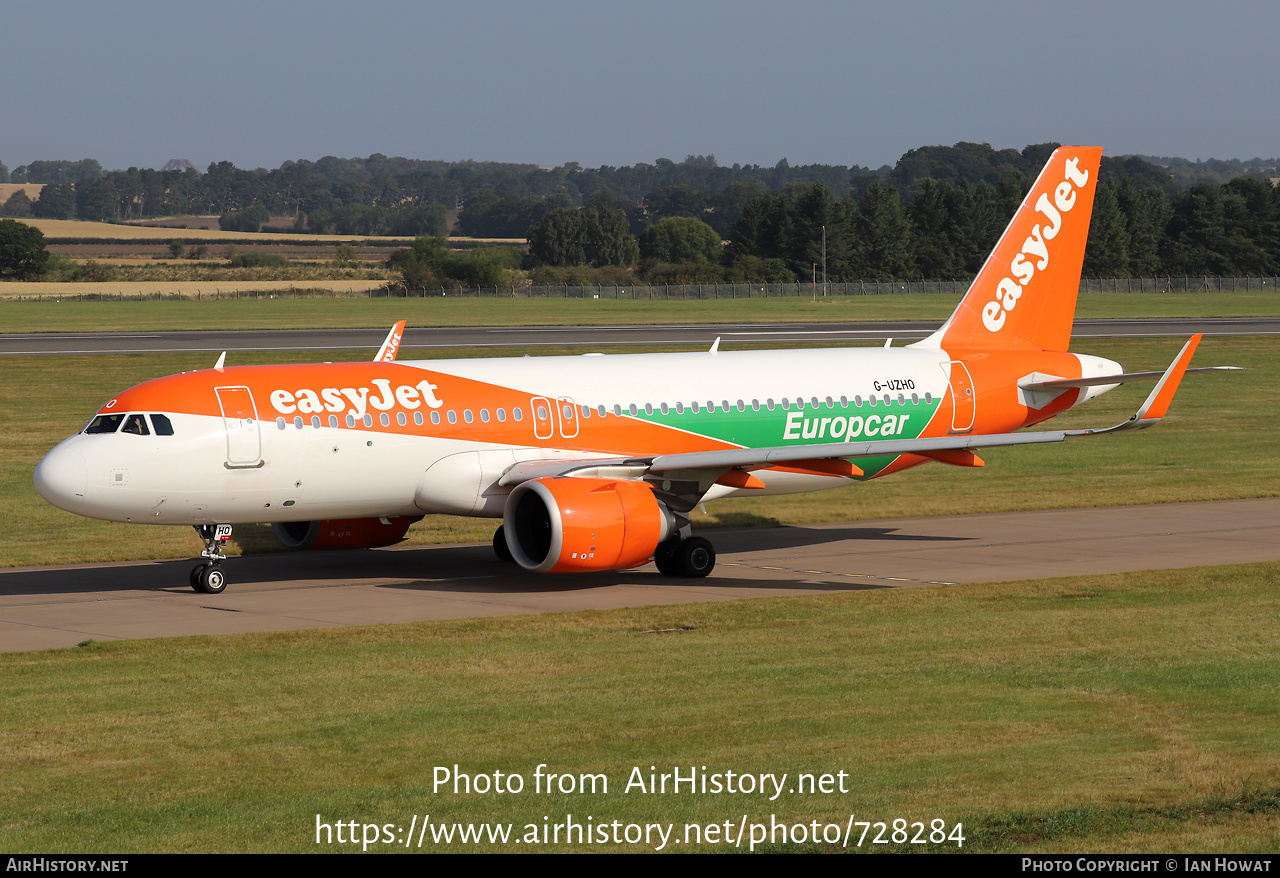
1123, 378
1157, 403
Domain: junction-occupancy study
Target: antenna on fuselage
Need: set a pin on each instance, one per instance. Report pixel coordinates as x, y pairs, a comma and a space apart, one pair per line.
715, 346
888, 342
221, 360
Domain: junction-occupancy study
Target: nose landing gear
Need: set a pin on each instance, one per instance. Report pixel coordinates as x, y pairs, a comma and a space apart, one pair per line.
208, 577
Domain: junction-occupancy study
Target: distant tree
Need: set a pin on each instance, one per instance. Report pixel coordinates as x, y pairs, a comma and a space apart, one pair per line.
429, 219
1107, 253
931, 222
582, 237
344, 255
56, 201
97, 200
177, 249
251, 219
680, 239
4, 173
17, 205
727, 205
422, 265
678, 200
22, 251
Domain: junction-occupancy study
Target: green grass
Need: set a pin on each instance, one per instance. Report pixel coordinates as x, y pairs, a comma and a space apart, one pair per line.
282, 313
1216, 443
1111, 713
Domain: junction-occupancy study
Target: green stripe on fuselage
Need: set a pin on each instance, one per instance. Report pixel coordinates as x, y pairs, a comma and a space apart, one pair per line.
807, 426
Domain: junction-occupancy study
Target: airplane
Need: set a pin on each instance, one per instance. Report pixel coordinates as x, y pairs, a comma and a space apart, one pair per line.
596, 462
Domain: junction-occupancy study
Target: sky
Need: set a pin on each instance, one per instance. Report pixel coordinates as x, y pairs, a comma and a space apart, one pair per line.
139, 82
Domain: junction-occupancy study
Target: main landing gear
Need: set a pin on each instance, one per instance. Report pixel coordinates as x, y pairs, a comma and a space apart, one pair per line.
208, 577
692, 558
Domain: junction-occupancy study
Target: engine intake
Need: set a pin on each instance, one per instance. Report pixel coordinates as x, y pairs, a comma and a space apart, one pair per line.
563, 525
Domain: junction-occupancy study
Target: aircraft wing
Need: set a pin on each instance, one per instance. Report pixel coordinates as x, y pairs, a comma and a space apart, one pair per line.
711, 466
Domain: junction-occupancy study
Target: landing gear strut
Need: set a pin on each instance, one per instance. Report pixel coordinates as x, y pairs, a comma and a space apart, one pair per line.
692, 558
208, 577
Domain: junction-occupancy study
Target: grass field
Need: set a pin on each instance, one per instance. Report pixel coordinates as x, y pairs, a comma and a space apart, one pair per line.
32, 315
1117, 713
1128, 713
1217, 443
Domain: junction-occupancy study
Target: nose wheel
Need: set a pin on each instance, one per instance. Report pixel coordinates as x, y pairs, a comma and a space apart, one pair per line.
208, 577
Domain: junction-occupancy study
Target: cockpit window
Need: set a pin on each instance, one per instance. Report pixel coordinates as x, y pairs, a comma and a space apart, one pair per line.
136, 424
164, 427
104, 424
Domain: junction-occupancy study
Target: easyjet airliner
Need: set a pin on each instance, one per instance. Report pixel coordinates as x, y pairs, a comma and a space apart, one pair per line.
596, 462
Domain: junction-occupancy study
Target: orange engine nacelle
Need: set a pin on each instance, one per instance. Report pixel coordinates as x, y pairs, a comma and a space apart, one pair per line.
565, 525
343, 533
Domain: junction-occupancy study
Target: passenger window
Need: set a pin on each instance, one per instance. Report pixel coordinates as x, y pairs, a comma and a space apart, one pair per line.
162, 424
435, 417
417, 418
104, 424
502, 415
400, 418
517, 414
453, 418
136, 424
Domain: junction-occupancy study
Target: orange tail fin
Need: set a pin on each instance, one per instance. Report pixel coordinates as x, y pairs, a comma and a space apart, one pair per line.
1024, 298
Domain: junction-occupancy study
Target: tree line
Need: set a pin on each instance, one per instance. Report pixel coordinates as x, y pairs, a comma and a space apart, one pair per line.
934, 215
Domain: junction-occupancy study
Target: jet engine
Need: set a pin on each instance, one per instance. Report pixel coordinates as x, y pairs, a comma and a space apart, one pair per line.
568, 524
343, 533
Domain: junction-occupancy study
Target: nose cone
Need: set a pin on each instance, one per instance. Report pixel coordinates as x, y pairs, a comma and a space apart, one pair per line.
61, 477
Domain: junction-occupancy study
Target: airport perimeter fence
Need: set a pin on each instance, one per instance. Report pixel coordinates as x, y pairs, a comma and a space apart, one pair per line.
669, 292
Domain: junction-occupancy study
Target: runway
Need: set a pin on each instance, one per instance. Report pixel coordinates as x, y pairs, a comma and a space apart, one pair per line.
498, 337
51, 607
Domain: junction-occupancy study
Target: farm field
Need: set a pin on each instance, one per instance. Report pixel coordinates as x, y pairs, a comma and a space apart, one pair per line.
1215, 444
1131, 713
40, 311
113, 231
